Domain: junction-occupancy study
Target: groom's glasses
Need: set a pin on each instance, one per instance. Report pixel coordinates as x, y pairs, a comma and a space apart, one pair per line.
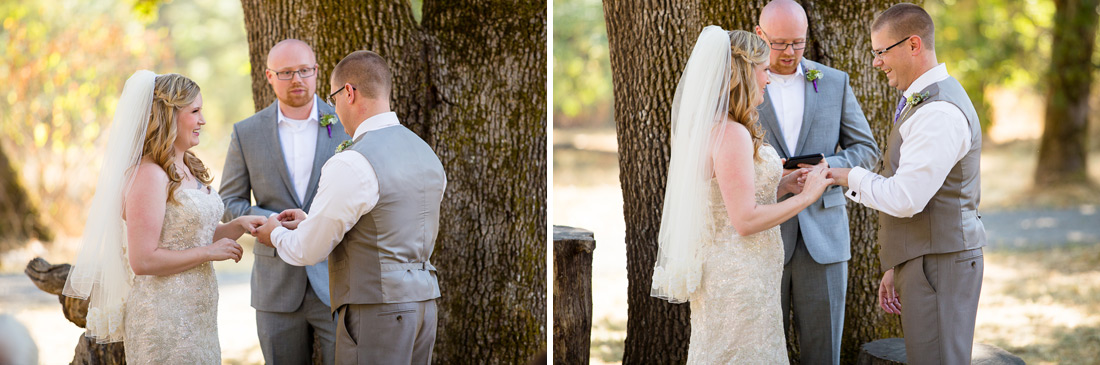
877, 54
287, 75
332, 97
779, 46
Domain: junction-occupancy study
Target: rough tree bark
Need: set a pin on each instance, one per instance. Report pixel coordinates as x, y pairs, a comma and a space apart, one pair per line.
1063, 149
470, 79
18, 215
649, 43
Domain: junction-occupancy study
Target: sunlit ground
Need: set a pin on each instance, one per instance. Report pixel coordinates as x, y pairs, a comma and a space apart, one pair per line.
56, 337
1043, 306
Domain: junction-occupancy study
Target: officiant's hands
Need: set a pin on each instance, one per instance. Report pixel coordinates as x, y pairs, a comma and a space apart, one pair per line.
290, 218
888, 298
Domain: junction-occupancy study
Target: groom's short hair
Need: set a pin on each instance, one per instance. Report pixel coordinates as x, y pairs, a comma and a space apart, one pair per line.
906, 19
366, 70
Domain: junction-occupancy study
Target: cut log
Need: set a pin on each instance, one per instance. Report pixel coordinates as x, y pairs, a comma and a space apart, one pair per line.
572, 294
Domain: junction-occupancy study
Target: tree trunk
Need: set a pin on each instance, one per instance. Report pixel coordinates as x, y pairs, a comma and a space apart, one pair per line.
18, 216
1063, 157
470, 79
649, 44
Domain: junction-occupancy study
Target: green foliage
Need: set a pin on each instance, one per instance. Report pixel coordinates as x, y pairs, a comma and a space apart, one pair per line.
993, 42
582, 70
66, 64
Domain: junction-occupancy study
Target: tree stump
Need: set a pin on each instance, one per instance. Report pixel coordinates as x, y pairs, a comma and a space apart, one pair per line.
891, 351
51, 279
572, 294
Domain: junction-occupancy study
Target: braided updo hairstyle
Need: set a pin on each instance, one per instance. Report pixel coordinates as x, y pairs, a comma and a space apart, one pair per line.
747, 50
171, 93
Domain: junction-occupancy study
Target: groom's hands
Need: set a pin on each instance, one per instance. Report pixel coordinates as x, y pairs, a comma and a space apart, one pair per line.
263, 234
888, 298
290, 218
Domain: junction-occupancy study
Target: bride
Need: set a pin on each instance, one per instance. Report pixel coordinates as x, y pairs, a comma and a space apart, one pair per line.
720, 246
152, 231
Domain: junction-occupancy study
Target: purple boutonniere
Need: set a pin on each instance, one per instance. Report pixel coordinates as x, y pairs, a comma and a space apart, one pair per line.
327, 120
812, 76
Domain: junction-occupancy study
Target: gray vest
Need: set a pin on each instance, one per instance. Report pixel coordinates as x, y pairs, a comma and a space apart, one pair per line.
384, 257
950, 221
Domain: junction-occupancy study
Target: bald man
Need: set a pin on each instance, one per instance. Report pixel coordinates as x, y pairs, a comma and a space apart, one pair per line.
275, 156
809, 108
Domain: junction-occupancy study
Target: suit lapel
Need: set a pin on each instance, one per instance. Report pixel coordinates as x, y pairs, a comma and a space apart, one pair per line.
807, 109
326, 147
771, 124
275, 149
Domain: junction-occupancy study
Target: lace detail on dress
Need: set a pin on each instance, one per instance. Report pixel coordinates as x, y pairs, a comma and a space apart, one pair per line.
735, 316
173, 319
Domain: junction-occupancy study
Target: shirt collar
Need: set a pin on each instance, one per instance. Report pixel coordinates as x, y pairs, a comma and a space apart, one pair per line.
932, 76
797, 72
376, 122
312, 112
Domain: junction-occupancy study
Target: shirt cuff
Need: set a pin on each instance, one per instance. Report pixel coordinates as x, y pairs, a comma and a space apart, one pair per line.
276, 234
855, 181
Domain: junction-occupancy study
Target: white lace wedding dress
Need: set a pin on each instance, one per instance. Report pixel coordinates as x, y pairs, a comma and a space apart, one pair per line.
735, 316
173, 319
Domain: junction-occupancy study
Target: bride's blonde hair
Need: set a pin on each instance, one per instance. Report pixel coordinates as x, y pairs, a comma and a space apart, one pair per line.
171, 93
747, 50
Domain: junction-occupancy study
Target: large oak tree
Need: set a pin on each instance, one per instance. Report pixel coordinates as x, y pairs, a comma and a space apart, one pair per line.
470, 79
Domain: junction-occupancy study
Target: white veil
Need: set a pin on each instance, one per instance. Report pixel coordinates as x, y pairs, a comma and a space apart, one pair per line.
102, 271
701, 102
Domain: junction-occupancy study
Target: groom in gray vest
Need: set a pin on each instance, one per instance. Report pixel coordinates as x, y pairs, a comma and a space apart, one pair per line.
375, 217
810, 108
931, 236
275, 156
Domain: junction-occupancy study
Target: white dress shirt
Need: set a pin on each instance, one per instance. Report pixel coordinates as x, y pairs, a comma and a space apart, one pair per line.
935, 138
299, 141
788, 95
348, 190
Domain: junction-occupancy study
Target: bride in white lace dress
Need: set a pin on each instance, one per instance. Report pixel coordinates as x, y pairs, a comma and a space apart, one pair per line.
720, 246
153, 231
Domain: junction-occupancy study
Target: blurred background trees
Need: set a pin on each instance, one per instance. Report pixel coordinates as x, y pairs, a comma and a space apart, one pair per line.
65, 65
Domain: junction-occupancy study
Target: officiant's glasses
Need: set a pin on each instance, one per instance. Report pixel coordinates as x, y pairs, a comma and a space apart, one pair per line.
779, 46
877, 54
303, 73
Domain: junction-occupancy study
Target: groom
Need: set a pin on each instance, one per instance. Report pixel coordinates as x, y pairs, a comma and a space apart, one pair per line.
376, 216
931, 236
276, 156
810, 108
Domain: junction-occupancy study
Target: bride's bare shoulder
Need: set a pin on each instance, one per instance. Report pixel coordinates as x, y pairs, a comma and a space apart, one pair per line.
148, 172
733, 132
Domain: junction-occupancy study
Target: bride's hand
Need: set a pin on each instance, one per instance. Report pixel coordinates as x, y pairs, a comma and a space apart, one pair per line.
224, 249
792, 181
250, 223
816, 182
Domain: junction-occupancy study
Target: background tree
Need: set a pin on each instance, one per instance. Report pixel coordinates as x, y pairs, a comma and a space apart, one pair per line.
649, 44
470, 79
1063, 157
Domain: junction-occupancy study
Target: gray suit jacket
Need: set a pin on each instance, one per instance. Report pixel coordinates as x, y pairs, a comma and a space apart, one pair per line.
254, 165
832, 124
